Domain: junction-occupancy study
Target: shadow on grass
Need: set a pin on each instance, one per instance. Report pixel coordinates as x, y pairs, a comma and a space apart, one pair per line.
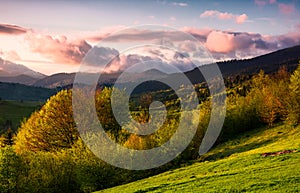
237, 148
152, 188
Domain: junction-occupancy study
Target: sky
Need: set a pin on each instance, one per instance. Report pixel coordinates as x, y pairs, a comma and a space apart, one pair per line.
54, 36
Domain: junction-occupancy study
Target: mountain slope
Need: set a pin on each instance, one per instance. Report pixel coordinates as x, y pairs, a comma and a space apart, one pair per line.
270, 63
9, 69
56, 80
239, 165
22, 79
14, 91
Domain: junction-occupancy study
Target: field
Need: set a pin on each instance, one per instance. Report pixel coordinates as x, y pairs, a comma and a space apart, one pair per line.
16, 111
239, 165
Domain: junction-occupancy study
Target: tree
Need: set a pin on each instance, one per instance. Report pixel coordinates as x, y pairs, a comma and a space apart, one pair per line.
53, 127
50, 129
269, 95
293, 117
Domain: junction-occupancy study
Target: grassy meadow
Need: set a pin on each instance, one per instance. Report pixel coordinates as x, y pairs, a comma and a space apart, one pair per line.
16, 111
234, 166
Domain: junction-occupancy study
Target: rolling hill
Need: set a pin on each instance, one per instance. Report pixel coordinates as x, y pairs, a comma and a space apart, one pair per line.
22, 79
262, 160
15, 91
270, 63
55, 80
15, 112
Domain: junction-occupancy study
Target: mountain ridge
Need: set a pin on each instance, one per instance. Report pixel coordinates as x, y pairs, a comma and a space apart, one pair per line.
10, 69
269, 62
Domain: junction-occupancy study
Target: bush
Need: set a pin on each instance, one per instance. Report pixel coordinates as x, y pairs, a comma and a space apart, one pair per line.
10, 170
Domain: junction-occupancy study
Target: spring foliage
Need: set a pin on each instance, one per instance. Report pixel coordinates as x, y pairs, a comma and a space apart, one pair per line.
49, 155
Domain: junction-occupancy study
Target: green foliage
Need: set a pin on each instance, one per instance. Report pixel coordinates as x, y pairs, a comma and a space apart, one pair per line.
105, 113
241, 116
48, 172
18, 92
7, 138
293, 117
270, 95
50, 129
53, 158
14, 112
10, 170
235, 166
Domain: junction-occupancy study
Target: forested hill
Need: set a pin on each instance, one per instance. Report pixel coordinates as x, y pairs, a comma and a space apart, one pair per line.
269, 63
14, 91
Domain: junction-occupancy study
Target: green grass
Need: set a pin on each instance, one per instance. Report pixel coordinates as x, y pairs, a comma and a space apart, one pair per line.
16, 111
235, 166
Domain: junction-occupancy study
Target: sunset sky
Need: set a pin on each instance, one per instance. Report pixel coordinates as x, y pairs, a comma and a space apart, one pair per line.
53, 36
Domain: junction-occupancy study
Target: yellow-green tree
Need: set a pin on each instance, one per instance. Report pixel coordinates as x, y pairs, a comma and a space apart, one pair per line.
269, 95
293, 117
50, 129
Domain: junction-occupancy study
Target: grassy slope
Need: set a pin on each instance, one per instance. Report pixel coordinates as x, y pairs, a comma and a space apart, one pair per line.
236, 166
16, 111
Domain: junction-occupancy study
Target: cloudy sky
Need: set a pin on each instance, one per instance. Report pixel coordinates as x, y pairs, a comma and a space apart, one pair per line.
53, 36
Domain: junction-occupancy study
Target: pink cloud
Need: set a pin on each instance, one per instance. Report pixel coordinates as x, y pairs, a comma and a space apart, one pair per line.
241, 18
209, 13
200, 34
286, 8
59, 49
222, 45
218, 41
224, 16
10, 55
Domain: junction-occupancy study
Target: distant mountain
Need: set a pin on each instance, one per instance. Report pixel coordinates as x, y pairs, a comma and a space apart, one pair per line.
270, 63
23, 79
148, 74
55, 80
64, 80
10, 69
15, 73
14, 91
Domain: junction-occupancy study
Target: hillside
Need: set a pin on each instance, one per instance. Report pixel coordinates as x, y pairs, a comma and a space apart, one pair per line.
23, 79
56, 80
10, 69
239, 165
13, 112
270, 63
14, 91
